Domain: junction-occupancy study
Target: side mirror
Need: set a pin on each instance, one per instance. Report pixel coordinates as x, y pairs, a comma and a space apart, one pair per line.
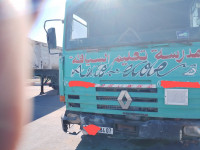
51, 38
195, 14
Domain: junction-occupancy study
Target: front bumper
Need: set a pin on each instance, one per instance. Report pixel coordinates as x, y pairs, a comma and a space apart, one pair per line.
124, 128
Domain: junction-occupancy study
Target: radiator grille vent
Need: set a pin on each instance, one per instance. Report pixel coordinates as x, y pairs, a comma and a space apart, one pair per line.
142, 90
134, 99
131, 108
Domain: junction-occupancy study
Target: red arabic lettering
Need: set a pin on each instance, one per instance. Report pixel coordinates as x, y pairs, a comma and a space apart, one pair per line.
161, 56
181, 59
195, 55
96, 60
78, 59
81, 58
174, 55
154, 50
136, 56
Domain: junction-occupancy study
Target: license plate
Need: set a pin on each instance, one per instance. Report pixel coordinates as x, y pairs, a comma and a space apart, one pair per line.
106, 130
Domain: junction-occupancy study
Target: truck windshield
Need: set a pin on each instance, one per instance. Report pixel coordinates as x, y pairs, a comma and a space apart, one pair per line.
107, 23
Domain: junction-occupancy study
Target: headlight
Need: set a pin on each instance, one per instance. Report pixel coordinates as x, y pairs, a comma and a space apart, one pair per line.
192, 131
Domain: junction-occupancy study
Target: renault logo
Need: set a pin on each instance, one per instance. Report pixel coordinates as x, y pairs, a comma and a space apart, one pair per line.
128, 98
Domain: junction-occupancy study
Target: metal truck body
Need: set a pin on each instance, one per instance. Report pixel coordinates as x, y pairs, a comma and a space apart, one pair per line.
42, 58
44, 64
134, 69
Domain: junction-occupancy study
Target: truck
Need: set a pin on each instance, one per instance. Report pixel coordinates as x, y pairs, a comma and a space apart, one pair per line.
130, 69
45, 65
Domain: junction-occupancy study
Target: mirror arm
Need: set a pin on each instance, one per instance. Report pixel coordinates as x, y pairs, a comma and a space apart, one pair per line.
51, 20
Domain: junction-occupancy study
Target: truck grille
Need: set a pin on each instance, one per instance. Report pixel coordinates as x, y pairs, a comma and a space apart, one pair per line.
104, 100
139, 98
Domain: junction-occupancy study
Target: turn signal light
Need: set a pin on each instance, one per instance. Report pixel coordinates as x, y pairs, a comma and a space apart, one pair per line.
62, 98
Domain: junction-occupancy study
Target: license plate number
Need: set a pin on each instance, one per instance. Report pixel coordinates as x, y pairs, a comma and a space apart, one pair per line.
106, 130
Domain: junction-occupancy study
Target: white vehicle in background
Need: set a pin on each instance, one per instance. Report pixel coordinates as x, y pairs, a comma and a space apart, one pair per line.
46, 65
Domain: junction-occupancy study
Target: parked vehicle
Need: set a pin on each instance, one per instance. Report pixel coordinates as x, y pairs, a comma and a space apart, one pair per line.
131, 68
45, 65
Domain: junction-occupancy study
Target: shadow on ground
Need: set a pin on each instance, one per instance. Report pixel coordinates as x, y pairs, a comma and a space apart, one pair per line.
45, 104
104, 143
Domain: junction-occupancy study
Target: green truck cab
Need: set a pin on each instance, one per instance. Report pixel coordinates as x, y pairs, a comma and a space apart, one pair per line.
131, 68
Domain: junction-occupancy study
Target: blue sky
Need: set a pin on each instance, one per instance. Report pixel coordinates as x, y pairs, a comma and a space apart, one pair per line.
51, 9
